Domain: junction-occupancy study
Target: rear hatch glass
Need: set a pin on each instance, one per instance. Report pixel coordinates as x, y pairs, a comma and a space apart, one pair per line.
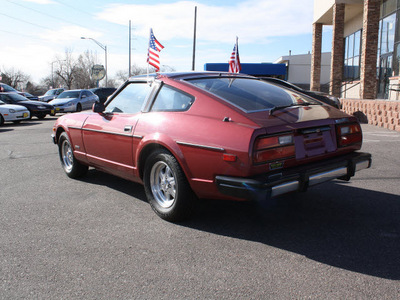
251, 94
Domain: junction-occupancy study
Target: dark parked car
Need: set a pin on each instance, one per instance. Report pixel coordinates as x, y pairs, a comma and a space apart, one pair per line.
29, 96
324, 97
211, 135
103, 93
5, 88
36, 108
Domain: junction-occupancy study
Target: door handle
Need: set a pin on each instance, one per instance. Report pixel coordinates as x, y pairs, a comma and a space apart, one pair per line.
128, 128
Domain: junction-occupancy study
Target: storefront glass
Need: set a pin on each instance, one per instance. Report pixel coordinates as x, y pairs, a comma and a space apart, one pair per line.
387, 30
352, 56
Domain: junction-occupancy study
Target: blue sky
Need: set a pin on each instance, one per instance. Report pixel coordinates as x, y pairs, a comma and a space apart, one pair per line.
35, 32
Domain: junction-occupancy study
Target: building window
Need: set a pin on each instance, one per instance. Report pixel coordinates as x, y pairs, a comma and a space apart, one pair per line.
352, 56
387, 29
387, 7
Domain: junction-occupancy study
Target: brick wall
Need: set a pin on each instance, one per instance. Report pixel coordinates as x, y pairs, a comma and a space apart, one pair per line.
381, 113
316, 57
337, 49
369, 49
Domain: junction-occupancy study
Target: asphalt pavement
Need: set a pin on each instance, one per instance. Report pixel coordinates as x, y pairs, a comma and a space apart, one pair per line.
97, 238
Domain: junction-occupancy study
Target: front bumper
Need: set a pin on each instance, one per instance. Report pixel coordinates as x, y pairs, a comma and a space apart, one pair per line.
17, 116
270, 185
41, 112
65, 108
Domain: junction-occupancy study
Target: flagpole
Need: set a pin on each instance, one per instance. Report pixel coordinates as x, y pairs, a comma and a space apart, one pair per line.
237, 53
148, 58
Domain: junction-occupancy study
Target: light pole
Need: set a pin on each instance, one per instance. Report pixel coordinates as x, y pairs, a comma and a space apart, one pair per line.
52, 74
102, 47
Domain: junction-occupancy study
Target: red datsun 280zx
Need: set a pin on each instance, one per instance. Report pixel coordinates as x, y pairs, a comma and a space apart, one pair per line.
211, 135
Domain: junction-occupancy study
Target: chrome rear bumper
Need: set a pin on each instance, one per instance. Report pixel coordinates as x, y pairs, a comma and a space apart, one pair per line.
296, 179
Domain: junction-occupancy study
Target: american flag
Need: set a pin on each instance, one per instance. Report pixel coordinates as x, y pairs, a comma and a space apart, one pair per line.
154, 48
234, 61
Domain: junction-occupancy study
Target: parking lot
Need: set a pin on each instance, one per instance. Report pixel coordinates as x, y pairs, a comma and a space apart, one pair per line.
97, 238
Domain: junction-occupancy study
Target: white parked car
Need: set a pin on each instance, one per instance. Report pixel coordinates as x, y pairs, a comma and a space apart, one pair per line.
13, 113
74, 100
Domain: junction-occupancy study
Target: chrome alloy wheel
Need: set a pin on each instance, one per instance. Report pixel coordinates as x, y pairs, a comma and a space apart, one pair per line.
67, 156
163, 184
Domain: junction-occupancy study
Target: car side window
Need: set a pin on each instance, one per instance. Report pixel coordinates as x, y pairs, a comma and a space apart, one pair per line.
171, 99
4, 98
130, 100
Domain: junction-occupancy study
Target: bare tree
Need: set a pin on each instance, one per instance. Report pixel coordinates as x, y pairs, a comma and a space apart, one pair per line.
67, 69
15, 78
85, 63
166, 68
122, 75
113, 82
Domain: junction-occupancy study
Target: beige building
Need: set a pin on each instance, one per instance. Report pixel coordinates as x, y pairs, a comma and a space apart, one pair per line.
300, 64
365, 47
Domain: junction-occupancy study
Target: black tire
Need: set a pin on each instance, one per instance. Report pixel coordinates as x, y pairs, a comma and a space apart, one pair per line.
1, 120
41, 116
78, 107
72, 167
166, 187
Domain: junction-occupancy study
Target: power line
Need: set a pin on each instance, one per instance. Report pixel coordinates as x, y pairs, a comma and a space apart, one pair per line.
24, 21
48, 15
21, 34
83, 11
77, 9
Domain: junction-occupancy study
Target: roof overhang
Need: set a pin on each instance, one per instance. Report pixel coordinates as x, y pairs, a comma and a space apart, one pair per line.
323, 10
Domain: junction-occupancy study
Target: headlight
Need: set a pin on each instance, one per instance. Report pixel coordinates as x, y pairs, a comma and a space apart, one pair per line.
70, 103
11, 110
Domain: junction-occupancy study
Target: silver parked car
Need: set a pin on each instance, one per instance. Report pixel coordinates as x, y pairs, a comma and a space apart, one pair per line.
74, 100
51, 94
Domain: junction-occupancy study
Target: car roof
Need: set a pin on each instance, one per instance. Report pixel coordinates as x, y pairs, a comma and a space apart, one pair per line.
189, 75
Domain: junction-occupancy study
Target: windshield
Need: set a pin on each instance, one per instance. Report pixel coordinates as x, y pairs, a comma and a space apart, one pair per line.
16, 97
1, 102
251, 94
7, 88
69, 94
50, 93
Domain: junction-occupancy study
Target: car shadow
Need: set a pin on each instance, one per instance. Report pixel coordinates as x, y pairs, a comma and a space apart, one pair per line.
335, 224
50, 118
22, 124
127, 187
3, 129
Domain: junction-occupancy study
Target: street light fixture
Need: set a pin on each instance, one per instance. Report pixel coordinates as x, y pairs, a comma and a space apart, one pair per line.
104, 47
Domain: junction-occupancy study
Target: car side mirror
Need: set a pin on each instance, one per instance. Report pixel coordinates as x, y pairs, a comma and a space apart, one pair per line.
83, 96
98, 107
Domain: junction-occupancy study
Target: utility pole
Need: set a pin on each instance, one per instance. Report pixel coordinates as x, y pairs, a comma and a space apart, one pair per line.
130, 38
194, 39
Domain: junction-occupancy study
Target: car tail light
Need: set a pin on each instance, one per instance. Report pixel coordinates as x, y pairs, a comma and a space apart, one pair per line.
273, 148
349, 134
